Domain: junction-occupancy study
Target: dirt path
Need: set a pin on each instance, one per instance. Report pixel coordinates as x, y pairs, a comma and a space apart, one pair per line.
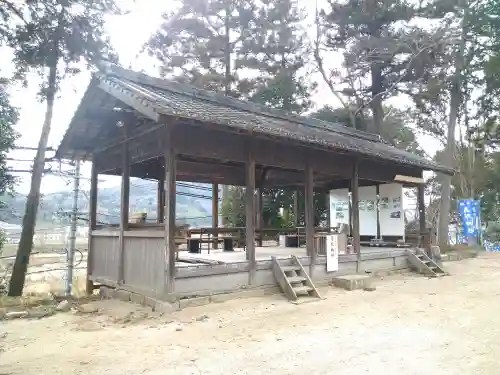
409, 325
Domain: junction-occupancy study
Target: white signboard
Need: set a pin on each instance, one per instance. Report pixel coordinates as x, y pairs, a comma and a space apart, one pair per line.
368, 211
332, 253
392, 221
339, 207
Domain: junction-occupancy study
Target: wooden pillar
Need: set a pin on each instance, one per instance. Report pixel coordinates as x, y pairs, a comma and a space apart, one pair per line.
377, 208
296, 212
328, 211
92, 226
170, 195
424, 236
215, 212
124, 209
355, 215
309, 214
250, 215
259, 209
160, 201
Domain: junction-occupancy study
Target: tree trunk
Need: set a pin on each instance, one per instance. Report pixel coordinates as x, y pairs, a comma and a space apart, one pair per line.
376, 102
449, 155
227, 55
227, 84
29, 219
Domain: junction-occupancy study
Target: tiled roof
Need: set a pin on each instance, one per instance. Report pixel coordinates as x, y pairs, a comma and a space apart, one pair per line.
154, 96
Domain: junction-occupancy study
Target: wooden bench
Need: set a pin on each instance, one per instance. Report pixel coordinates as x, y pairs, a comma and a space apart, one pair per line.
193, 244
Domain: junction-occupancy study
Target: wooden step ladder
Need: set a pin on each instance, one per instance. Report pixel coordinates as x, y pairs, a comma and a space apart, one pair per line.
423, 264
294, 281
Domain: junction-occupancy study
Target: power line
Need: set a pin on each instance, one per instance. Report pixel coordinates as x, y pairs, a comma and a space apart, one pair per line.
16, 147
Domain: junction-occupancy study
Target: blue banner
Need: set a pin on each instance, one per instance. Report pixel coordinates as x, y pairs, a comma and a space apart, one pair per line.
469, 211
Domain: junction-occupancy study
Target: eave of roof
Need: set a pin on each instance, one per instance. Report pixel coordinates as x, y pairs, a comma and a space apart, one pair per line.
154, 97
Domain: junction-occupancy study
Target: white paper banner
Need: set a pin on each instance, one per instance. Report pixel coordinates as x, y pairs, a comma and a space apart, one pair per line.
332, 253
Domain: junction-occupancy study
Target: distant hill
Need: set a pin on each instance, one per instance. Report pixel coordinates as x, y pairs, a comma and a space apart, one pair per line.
193, 207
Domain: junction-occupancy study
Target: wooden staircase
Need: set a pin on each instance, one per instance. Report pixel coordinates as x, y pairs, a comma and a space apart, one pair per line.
421, 262
294, 281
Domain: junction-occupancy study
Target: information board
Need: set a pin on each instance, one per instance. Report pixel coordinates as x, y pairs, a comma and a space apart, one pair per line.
367, 211
339, 207
392, 221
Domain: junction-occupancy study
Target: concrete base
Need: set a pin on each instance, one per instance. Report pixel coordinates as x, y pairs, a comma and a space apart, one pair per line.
166, 307
352, 282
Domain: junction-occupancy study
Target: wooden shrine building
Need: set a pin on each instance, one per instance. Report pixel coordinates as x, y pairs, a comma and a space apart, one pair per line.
133, 125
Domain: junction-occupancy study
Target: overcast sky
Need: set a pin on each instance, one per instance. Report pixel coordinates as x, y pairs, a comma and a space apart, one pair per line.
127, 33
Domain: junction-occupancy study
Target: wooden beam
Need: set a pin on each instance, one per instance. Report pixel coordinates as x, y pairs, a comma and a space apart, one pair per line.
250, 215
259, 211
123, 95
309, 212
355, 215
160, 200
124, 208
215, 211
170, 199
92, 226
421, 214
218, 145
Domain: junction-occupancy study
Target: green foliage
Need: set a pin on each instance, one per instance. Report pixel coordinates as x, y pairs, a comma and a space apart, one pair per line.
278, 50
3, 238
201, 42
395, 130
384, 53
233, 207
8, 118
58, 33
492, 232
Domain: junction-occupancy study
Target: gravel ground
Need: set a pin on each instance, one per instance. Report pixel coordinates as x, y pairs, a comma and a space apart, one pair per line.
409, 325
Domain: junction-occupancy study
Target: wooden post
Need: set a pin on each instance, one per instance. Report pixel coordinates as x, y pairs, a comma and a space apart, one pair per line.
328, 213
170, 195
92, 226
377, 208
259, 210
250, 215
309, 213
160, 201
421, 216
296, 208
124, 210
355, 215
215, 212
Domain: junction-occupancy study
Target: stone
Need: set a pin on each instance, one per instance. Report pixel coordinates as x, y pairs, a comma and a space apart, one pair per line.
352, 282
105, 292
87, 309
370, 288
137, 298
190, 302
179, 327
122, 295
63, 306
202, 318
41, 313
151, 302
164, 307
16, 314
436, 253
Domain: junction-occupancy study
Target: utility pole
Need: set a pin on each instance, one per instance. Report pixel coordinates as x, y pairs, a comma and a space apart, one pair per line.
72, 236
